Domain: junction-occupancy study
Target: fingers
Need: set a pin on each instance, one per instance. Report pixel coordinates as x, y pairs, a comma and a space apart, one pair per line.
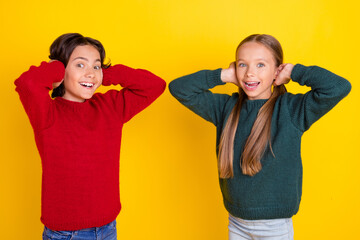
282, 75
228, 75
56, 84
279, 69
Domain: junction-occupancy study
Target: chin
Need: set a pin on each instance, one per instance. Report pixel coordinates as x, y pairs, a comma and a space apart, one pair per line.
87, 97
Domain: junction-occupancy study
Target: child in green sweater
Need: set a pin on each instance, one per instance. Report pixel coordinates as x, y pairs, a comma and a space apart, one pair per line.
259, 132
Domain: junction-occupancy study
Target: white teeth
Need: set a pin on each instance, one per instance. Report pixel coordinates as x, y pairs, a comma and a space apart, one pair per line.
252, 84
87, 84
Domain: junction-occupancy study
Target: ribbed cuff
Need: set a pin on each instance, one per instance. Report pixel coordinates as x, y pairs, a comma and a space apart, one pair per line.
214, 78
297, 73
54, 70
262, 213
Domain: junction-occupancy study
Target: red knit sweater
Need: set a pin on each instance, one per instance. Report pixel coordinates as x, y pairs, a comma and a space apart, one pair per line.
79, 143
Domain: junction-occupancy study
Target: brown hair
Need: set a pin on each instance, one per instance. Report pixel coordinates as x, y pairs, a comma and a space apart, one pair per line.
62, 48
260, 136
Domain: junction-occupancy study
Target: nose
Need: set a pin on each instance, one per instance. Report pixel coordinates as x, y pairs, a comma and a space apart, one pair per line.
250, 71
90, 73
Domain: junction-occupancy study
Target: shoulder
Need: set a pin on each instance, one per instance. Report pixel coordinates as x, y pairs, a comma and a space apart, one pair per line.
284, 101
230, 103
233, 98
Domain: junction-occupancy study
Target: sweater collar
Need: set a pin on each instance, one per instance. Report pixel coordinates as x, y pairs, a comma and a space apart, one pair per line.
71, 104
255, 103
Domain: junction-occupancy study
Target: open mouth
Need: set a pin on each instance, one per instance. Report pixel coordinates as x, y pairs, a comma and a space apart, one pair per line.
87, 85
252, 84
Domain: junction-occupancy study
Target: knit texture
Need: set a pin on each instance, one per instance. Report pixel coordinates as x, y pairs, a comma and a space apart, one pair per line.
79, 143
274, 192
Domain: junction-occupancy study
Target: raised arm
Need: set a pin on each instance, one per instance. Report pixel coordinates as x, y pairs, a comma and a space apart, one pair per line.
327, 89
140, 89
193, 92
33, 87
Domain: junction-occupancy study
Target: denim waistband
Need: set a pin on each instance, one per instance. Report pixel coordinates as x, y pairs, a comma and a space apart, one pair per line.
96, 228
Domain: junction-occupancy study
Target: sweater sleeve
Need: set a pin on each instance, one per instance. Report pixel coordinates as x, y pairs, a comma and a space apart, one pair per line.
140, 89
33, 87
193, 92
327, 89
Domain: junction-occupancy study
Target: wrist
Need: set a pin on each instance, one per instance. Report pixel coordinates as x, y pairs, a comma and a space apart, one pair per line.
106, 76
224, 75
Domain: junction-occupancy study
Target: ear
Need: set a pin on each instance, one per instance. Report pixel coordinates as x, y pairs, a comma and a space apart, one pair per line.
277, 71
276, 74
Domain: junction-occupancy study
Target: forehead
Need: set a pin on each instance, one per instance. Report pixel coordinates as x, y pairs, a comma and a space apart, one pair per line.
85, 51
254, 50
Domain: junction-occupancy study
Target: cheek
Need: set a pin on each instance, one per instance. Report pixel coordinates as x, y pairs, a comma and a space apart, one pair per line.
66, 78
269, 74
240, 73
99, 76
69, 76
272, 72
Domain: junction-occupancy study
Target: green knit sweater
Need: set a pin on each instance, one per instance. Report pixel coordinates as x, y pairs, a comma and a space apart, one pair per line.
274, 192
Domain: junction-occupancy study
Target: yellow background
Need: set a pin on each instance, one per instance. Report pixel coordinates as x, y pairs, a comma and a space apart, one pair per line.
169, 185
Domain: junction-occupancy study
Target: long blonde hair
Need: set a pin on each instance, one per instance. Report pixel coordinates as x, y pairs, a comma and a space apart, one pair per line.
260, 136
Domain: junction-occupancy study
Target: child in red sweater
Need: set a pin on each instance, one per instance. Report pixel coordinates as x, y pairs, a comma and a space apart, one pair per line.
78, 133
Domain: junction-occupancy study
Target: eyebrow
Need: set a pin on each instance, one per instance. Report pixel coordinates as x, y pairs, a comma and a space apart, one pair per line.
82, 58
257, 59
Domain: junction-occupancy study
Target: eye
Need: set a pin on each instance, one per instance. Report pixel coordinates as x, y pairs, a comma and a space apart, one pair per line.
97, 67
260, 65
242, 65
80, 65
